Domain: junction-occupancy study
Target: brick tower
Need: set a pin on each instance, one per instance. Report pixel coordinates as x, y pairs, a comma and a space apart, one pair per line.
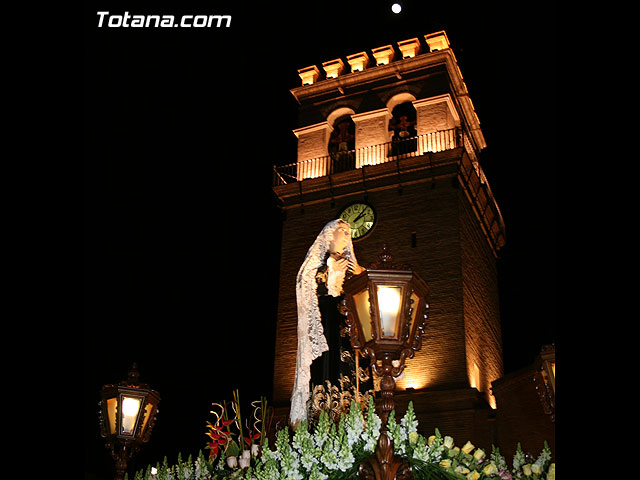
394, 129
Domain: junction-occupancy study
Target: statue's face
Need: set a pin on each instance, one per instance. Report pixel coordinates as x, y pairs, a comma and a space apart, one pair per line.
340, 237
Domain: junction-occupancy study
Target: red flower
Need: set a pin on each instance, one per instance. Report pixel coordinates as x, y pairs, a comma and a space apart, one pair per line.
218, 437
249, 440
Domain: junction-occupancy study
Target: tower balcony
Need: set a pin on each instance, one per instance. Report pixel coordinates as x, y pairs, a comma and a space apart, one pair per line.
432, 157
344, 160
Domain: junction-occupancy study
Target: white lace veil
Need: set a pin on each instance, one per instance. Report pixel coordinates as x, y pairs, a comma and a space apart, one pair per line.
311, 340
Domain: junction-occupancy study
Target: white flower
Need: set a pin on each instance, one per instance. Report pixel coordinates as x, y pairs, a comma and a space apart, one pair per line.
448, 441
232, 462
420, 451
409, 422
269, 454
329, 459
316, 474
308, 459
478, 454
490, 469
354, 425
371, 432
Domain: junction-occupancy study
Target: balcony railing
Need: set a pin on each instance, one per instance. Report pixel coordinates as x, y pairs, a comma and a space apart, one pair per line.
344, 160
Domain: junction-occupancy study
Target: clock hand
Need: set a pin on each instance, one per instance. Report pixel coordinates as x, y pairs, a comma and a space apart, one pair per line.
361, 214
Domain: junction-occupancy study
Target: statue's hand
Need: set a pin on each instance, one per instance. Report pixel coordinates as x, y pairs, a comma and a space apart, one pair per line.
355, 268
341, 265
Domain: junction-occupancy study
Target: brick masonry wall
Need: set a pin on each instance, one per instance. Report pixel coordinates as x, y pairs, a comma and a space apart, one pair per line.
312, 143
459, 413
441, 225
483, 336
521, 417
372, 128
433, 117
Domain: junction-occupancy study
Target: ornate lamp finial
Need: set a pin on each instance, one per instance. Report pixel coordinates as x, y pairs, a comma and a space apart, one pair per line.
133, 375
385, 261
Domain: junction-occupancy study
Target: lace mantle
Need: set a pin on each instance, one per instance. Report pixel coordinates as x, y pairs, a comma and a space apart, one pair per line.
311, 340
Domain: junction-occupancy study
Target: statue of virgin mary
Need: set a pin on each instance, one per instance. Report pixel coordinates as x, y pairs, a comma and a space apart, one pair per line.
318, 290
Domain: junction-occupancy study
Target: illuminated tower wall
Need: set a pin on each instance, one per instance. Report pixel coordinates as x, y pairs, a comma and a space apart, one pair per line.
434, 209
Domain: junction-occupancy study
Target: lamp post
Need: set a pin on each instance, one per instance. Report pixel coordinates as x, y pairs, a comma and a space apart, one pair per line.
544, 379
127, 415
385, 308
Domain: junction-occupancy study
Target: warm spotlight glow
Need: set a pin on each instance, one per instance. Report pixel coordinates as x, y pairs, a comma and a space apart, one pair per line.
414, 383
389, 305
414, 377
396, 8
474, 376
130, 407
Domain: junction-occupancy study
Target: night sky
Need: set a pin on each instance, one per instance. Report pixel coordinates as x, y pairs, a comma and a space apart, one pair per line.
182, 231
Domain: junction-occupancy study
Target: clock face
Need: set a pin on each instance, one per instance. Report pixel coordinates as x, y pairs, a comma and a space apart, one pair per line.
361, 217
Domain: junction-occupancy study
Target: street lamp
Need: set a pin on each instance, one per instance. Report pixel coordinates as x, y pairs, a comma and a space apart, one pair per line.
127, 415
545, 379
385, 308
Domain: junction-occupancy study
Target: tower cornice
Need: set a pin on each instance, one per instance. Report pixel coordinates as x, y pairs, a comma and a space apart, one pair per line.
395, 71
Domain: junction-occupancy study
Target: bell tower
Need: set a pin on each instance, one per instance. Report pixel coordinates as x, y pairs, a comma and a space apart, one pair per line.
388, 139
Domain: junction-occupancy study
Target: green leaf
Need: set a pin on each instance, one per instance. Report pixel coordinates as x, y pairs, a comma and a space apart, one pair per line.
232, 449
431, 471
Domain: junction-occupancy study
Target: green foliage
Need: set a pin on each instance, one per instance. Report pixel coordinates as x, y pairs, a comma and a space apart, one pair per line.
333, 451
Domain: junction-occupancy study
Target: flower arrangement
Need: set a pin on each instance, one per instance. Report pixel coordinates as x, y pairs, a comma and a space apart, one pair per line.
236, 448
333, 451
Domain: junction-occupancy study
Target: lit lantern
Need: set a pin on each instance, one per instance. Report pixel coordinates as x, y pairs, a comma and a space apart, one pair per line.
385, 308
127, 415
544, 379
